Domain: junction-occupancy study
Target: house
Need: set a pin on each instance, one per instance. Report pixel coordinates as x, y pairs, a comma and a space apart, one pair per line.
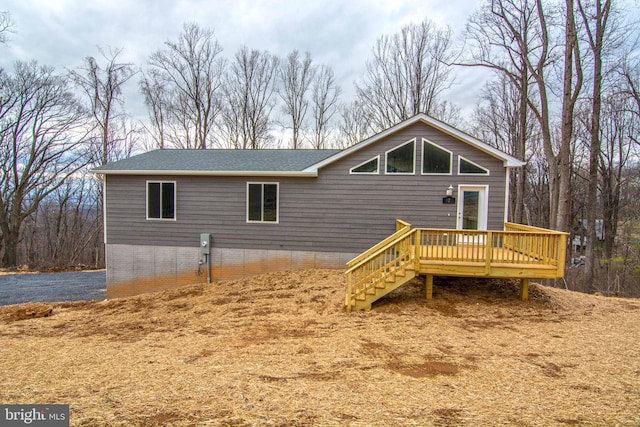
579, 232
182, 216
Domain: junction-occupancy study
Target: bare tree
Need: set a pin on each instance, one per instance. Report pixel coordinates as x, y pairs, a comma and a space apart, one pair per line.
514, 37
249, 87
407, 75
114, 135
495, 118
296, 75
182, 88
537, 198
498, 120
595, 23
630, 72
42, 143
62, 231
572, 85
538, 67
324, 105
617, 177
6, 23
618, 126
158, 106
102, 86
355, 125
506, 36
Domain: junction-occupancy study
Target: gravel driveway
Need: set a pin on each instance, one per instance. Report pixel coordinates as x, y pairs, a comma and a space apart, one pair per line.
45, 287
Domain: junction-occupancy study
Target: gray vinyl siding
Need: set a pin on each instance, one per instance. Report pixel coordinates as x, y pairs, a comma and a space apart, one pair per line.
335, 212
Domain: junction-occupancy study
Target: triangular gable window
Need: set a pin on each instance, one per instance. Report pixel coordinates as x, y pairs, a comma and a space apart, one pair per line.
467, 167
368, 167
435, 159
400, 160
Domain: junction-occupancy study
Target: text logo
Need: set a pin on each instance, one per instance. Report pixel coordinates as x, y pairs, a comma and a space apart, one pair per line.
34, 415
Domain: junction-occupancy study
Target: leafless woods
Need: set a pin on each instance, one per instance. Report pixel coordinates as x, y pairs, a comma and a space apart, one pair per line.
561, 92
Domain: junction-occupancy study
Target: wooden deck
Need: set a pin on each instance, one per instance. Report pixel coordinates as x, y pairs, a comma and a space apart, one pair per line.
519, 251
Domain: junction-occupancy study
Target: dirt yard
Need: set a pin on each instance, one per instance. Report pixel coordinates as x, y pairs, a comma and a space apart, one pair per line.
279, 350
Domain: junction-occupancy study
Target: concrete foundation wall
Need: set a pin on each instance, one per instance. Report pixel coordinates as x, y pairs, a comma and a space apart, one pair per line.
137, 269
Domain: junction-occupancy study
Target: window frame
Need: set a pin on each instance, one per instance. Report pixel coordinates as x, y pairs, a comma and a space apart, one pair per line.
248, 203
377, 171
422, 172
386, 159
460, 158
175, 200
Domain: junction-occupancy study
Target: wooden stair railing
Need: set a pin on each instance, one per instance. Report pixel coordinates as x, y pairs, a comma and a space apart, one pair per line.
517, 252
383, 268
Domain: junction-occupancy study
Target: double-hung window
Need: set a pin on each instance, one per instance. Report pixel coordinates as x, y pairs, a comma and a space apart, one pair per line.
161, 200
262, 202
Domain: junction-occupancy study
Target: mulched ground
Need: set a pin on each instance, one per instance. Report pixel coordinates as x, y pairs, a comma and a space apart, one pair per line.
279, 350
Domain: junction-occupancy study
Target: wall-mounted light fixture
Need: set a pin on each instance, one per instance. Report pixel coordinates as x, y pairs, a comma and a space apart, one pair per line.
449, 199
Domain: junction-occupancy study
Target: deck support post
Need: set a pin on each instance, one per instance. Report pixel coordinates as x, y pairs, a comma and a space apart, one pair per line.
429, 285
524, 289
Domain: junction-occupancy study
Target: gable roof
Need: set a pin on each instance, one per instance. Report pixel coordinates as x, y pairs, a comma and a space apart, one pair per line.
508, 161
273, 162
219, 162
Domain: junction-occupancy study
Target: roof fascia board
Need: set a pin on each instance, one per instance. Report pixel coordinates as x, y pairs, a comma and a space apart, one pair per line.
299, 174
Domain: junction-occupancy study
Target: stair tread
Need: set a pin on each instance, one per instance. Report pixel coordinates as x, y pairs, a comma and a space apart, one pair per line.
397, 267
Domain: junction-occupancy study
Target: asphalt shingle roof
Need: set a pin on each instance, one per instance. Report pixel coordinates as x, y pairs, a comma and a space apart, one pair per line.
219, 161
274, 162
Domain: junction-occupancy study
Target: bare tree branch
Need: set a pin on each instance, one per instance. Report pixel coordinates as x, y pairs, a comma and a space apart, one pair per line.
182, 89
324, 105
295, 76
102, 86
6, 25
249, 87
43, 143
407, 75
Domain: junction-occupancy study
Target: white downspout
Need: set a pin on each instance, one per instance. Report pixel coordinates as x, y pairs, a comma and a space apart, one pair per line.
507, 190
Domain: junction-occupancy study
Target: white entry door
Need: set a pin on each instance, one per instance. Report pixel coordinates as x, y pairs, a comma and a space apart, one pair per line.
472, 207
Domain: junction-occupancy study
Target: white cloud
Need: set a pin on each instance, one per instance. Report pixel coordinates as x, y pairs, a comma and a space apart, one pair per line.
337, 33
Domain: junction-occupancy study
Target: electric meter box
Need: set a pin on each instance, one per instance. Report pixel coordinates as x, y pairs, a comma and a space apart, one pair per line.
205, 242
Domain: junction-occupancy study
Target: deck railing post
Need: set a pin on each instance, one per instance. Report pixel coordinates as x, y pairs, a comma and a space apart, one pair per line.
488, 248
562, 254
418, 250
349, 293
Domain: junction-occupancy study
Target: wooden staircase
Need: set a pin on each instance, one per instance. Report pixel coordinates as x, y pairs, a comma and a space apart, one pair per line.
381, 269
517, 252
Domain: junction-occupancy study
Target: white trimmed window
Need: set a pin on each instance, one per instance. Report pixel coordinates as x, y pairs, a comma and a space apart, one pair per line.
161, 200
401, 159
369, 167
436, 160
467, 167
262, 202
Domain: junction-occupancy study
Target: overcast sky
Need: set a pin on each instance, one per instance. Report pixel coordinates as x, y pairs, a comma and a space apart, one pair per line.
339, 33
